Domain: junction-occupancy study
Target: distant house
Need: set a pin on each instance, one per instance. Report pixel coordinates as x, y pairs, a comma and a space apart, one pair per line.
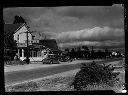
38, 49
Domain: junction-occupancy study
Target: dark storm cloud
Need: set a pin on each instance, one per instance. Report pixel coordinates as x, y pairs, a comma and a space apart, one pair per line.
27, 12
68, 18
108, 12
100, 15
74, 23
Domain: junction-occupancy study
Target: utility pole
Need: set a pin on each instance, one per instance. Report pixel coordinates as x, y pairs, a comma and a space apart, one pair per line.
27, 58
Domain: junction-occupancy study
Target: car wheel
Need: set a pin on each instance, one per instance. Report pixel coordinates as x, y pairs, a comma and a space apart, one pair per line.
51, 62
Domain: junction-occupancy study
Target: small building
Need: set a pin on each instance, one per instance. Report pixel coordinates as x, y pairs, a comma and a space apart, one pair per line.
38, 49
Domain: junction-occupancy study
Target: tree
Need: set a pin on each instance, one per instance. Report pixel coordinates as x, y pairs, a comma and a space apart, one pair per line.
106, 52
10, 44
86, 52
78, 48
94, 73
9, 41
99, 54
72, 53
67, 49
85, 48
19, 19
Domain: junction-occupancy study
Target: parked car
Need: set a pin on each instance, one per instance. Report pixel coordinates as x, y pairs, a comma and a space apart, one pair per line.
51, 59
64, 57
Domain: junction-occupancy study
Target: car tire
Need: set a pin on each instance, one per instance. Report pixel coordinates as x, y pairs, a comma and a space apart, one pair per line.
51, 62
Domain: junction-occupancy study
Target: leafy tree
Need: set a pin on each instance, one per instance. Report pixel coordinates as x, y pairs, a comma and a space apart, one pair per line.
99, 54
106, 53
78, 49
19, 19
94, 73
67, 50
106, 50
10, 44
92, 54
72, 53
86, 51
85, 48
9, 41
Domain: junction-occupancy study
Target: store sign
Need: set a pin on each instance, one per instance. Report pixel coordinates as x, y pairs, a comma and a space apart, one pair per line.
37, 46
35, 41
22, 44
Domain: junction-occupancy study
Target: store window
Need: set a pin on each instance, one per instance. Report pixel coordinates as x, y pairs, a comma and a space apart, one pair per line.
25, 53
35, 53
30, 53
39, 53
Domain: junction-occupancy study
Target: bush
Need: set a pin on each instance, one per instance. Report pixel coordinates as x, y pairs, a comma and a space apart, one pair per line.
94, 73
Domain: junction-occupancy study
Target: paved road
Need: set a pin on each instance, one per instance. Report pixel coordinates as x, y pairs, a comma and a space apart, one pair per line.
20, 76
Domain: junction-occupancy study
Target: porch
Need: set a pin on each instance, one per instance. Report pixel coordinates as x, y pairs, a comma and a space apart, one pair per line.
35, 54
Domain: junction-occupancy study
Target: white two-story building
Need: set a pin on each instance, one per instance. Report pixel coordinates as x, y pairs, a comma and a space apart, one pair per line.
38, 49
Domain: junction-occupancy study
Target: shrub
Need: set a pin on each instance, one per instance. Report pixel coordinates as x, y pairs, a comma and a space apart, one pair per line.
94, 73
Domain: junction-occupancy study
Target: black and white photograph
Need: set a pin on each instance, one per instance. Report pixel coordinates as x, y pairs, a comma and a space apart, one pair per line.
64, 48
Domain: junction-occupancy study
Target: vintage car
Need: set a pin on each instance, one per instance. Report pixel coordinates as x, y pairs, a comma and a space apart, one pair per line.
64, 57
51, 59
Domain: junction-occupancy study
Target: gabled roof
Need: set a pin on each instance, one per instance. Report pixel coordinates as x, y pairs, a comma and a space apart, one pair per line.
12, 28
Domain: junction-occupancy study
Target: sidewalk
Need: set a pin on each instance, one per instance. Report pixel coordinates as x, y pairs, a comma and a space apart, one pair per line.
40, 65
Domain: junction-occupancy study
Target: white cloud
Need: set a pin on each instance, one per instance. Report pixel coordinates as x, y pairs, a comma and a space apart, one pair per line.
91, 43
94, 34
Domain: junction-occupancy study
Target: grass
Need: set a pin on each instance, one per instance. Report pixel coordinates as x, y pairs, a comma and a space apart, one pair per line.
57, 84
61, 83
15, 62
52, 84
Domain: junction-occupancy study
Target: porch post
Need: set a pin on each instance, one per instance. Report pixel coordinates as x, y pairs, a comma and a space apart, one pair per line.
18, 53
37, 53
22, 52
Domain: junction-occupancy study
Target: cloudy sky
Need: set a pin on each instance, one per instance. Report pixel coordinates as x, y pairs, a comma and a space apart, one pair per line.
74, 25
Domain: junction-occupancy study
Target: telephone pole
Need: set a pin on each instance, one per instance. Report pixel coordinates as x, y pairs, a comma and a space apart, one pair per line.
27, 58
